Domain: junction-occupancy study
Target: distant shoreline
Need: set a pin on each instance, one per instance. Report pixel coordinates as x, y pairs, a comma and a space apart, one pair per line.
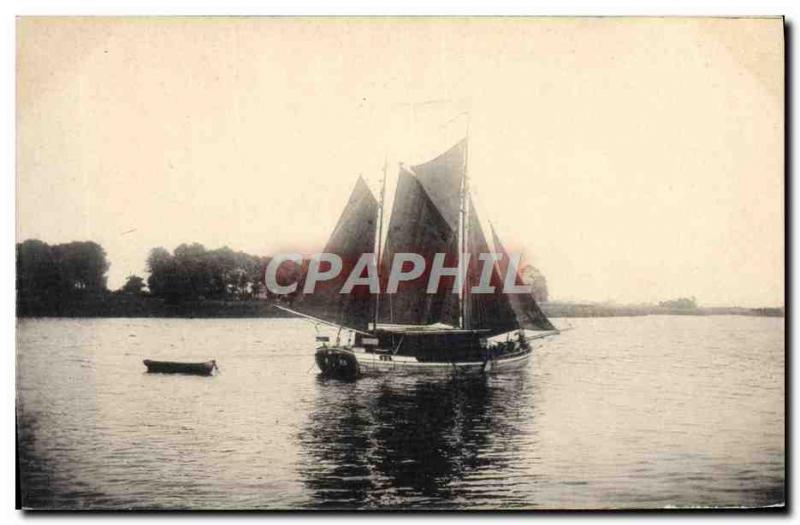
606, 310
126, 306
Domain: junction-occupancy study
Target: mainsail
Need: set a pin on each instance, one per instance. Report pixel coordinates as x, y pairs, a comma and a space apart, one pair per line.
416, 226
425, 220
528, 313
442, 178
353, 236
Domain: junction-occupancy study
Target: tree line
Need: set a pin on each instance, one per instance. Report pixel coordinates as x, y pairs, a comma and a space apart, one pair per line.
78, 270
192, 272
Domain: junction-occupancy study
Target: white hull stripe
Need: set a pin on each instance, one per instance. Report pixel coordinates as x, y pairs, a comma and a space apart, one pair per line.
373, 360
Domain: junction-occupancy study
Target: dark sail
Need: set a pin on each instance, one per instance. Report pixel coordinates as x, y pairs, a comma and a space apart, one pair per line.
441, 178
353, 236
416, 226
528, 313
492, 311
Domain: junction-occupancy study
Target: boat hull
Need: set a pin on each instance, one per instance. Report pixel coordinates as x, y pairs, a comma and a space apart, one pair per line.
351, 363
169, 367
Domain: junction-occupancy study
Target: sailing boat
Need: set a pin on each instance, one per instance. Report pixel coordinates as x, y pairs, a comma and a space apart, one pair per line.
447, 330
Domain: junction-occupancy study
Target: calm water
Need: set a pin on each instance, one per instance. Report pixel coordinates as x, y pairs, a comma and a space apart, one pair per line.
623, 412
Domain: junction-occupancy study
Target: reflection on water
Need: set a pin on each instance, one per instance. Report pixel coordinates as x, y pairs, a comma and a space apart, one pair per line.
403, 440
618, 413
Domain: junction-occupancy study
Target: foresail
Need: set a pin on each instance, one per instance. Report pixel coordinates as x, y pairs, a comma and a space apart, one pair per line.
416, 226
491, 311
353, 236
528, 313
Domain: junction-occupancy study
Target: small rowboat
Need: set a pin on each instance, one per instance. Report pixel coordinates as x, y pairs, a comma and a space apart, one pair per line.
169, 367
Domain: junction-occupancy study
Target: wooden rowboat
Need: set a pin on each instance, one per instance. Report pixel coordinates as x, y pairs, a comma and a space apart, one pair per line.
170, 367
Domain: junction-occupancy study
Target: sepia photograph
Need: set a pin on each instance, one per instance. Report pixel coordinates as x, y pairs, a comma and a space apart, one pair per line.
400, 263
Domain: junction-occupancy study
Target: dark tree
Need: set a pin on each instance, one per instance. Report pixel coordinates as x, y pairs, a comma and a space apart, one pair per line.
531, 275
54, 279
133, 285
82, 265
163, 280
61, 270
37, 272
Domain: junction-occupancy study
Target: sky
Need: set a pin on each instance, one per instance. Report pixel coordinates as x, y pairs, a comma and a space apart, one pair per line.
630, 160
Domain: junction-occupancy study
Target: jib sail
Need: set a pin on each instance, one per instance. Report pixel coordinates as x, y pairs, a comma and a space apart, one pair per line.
528, 313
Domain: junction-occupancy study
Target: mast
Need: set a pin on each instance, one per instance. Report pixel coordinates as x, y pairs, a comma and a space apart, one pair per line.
463, 239
379, 240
